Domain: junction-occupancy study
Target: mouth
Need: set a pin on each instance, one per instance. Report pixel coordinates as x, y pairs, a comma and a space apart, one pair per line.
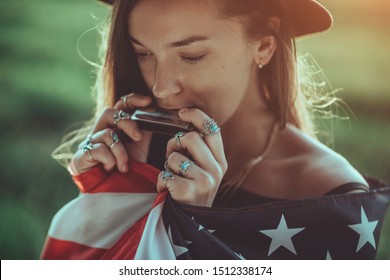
173, 108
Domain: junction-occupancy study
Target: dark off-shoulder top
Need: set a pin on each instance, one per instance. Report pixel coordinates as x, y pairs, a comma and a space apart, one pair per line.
241, 198
244, 198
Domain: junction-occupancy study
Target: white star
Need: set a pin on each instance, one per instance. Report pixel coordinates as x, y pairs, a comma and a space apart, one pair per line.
188, 242
281, 236
365, 229
328, 256
179, 250
240, 256
202, 227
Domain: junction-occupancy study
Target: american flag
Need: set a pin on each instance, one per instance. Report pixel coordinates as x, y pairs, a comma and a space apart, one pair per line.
119, 216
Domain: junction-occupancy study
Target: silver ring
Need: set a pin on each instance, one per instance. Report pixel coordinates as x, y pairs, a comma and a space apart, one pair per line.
87, 148
166, 175
114, 139
210, 128
121, 115
177, 138
185, 167
124, 100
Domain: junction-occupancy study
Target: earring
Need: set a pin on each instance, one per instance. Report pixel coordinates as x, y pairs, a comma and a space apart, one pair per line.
261, 65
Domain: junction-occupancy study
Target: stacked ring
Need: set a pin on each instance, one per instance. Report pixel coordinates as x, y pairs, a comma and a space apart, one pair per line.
210, 128
167, 175
121, 115
124, 100
177, 137
87, 148
114, 139
185, 167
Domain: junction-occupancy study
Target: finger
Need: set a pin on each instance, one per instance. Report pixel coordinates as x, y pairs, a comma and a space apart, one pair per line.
131, 101
99, 153
107, 119
181, 165
197, 149
214, 142
111, 139
102, 153
181, 189
186, 190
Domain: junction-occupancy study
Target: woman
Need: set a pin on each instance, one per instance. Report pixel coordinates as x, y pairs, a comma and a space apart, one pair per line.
229, 68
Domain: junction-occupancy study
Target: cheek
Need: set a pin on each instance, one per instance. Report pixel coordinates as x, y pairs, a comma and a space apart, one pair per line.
230, 87
233, 80
220, 96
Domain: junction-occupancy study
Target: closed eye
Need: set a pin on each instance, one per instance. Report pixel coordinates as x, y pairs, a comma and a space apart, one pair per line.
143, 55
192, 60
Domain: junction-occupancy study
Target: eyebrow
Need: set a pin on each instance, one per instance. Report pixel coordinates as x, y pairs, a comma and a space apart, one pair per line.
176, 44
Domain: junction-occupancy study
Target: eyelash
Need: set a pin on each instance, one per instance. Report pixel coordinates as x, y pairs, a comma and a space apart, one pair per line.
143, 55
190, 60
193, 60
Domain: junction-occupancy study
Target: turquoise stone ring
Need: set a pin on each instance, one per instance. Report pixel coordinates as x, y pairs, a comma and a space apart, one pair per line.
210, 128
185, 167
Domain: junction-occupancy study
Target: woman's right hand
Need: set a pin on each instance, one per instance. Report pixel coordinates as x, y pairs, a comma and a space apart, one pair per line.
102, 148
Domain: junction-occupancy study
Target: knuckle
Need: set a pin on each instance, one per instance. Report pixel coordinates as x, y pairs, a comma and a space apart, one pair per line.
206, 180
106, 134
191, 136
219, 173
226, 164
107, 111
173, 157
224, 167
99, 148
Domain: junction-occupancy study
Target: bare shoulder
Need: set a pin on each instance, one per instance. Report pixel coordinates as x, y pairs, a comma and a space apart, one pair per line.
320, 168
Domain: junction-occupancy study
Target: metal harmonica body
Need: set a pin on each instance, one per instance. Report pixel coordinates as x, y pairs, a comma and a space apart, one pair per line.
160, 121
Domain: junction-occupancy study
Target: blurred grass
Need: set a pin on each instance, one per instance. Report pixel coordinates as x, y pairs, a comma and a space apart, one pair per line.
45, 85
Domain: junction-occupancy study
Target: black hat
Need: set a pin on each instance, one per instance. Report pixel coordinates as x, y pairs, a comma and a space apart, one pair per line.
306, 16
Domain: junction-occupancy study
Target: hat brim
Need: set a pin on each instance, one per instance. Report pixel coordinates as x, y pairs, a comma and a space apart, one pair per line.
306, 16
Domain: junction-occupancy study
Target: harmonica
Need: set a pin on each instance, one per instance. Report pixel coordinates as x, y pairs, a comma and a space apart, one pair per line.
160, 121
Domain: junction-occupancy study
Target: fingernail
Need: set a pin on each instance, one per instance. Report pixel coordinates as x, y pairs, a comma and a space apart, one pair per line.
123, 168
183, 110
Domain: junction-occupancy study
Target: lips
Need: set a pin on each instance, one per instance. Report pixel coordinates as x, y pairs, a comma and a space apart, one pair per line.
173, 108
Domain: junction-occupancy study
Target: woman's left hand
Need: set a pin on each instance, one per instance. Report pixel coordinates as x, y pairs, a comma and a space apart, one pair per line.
196, 179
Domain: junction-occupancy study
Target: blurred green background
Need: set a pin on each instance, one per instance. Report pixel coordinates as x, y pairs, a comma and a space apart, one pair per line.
45, 90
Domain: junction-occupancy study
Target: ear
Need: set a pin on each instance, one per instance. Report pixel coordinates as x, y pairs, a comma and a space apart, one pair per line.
266, 46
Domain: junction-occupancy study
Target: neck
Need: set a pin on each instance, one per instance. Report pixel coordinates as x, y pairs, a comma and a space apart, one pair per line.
246, 134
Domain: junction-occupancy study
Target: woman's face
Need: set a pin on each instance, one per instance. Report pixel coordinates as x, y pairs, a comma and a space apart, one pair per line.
190, 57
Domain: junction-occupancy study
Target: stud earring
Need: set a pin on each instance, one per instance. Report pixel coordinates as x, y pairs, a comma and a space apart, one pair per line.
260, 66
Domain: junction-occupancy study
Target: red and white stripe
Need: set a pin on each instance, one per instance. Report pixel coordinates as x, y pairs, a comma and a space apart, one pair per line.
116, 217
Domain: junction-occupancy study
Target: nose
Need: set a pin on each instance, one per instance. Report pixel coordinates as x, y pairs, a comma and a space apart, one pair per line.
166, 82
